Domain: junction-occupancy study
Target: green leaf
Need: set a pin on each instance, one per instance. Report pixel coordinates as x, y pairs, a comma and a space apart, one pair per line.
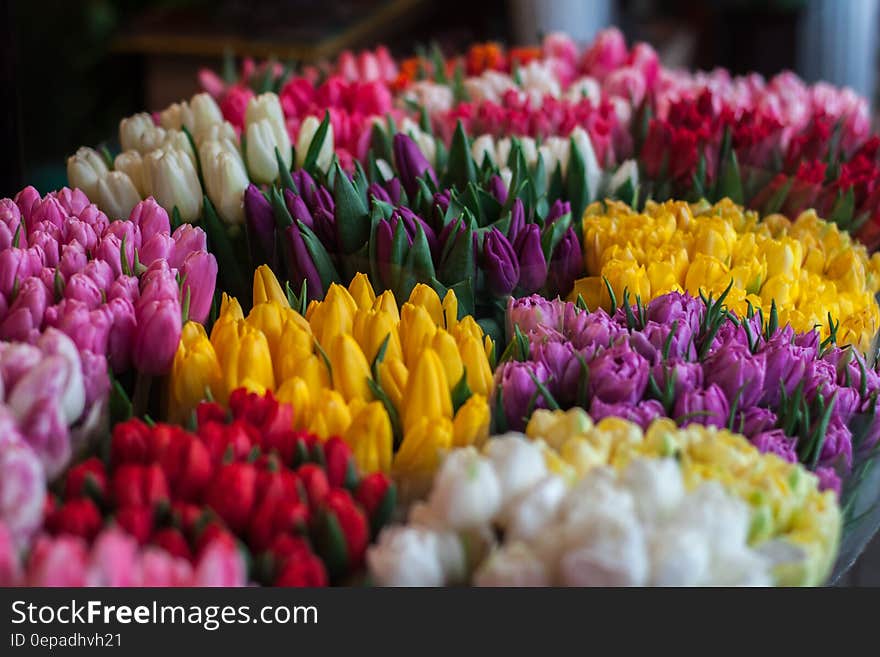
459, 263
460, 169
233, 280
283, 219
283, 173
323, 263
774, 203
843, 209
310, 162
576, 185
553, 234
461, 392
352, 215
418, 263
393, 416
730, 182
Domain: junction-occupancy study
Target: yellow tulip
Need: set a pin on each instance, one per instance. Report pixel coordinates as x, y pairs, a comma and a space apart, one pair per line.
295, 345
590, 289
467, 326
330, 414
476, 363
388, 303
246, 361
362, 291
267, 288
195, 373
419, 454
333, 316
446, 348
371, 327
625, 276
230, 308
450, 310
426, 297
370, 438
427, 391
295, 391
270, 318
471, 424
707, 273
393, 377
417, 329
349, 368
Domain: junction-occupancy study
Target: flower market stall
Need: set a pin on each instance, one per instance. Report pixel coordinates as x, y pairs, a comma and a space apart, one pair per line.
532, 316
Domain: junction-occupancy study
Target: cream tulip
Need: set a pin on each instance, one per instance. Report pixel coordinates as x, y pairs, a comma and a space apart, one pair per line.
171, 178
132, 164
139, 133
307, 131
84, 169
117, 195
225, 179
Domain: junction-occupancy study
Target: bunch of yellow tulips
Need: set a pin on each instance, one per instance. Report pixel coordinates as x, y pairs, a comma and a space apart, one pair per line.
809, 267
398, 385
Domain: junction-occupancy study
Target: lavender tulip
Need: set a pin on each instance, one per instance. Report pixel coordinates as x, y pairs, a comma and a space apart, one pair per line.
682, 375
837, 449
776, 442
618, 374
642, 413
738, 372
500, 263
702, 406
519, 392
530, 312
532, 264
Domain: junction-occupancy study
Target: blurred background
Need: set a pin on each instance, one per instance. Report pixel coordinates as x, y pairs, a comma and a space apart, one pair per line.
70, 69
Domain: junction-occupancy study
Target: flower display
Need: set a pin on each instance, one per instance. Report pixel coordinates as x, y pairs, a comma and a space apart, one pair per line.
807, 267
606, 505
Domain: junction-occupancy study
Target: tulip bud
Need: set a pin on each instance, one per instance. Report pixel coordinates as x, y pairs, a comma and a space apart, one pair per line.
225, 180
186, 240
393, 377
85, 168
446, 348
532, 264
132, 164
426, 297
427, 391
411, 163
199, 273
362, 291
267, 288
139, 133
205, 113
417, 330
483, 147
307, 131
419, 454
370, 438
117, 195
349, 368
471, 424
334, 315
473, 356
502, 266
157, 336
260, 226
171, 178
342, 533
266, 131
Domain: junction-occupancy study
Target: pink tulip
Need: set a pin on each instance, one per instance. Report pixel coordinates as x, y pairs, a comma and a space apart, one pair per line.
16, 265
187, 239
150, 218
88, 330
607, 52
100, 272
220, 564
27, 200
158, 247
73, 259
25, 316
199, 275
73, 201
110, 249
96, 380
10, 565
157, 335
95, 218
159, 283
49, 210
121, 333
10, 222
16, 359
80, 232
158, 568
82, 288
22, 487
61, 561
46, 432
125, 287
113, 560
127, 230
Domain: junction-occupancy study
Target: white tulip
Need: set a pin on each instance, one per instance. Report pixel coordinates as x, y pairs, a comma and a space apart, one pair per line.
482, 147
585, 88
626, 172
132, 164
517, 462
385, 169
175, 116
555, 152
657, 487
177, 140
139, 133
307, 131
415, 556
84, 169
117, 195
218, 131
171, 178
466, 492
225, 179
592, 170
535, 509
260, 152
512, 565
205, 113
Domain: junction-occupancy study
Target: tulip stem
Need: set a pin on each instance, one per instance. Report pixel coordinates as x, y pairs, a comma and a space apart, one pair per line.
141, 397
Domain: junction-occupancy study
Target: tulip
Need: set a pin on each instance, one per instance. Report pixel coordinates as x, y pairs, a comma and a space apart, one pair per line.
82, 288
122, 332
471, 423
150, 218
158, 247
349, 368
157, 335
260, 226
245, 360
205, 113
85, 169
307, 130
532, 264
27, 200
298, 209
267, 288
331, 416
427, 391
10, 224
159, 283
393, 377
301, 264
17, 265
22, 489
171, 178
186, 240
334, 315
417, 330
362, 291
476, 365
370, 438
199, 274
225, 180
519, 391
266, 132
195, 371
500, 262
88, 329
619, 374
420, 453
125, 287
411, 164
566, 263
371, 328
139, 133
708, 406
131, 164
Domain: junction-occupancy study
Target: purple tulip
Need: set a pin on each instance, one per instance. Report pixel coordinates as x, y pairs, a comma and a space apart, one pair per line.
566, 263
754, 420
738, 372
837, 449
849, 373
27, 201
100, 272
519, 390
10, 224
828, 479
707, 406
558, 356
597, 332
260, 226
305, 186
499, 190
500, 263
443, 199
74, 259
4, 307
80, 232
298, 209
24, 317
375, 190
302, 267
786, 366
187, 238
157, 335
517, 220
643, 413
530, 312
82, 288
73, 201
618, 374
847, 403
776, 442
384, 240
158, 247
150, 218
676, 306
532, 264
557, 210
686, 375
199, 273
123, 326
411, 164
